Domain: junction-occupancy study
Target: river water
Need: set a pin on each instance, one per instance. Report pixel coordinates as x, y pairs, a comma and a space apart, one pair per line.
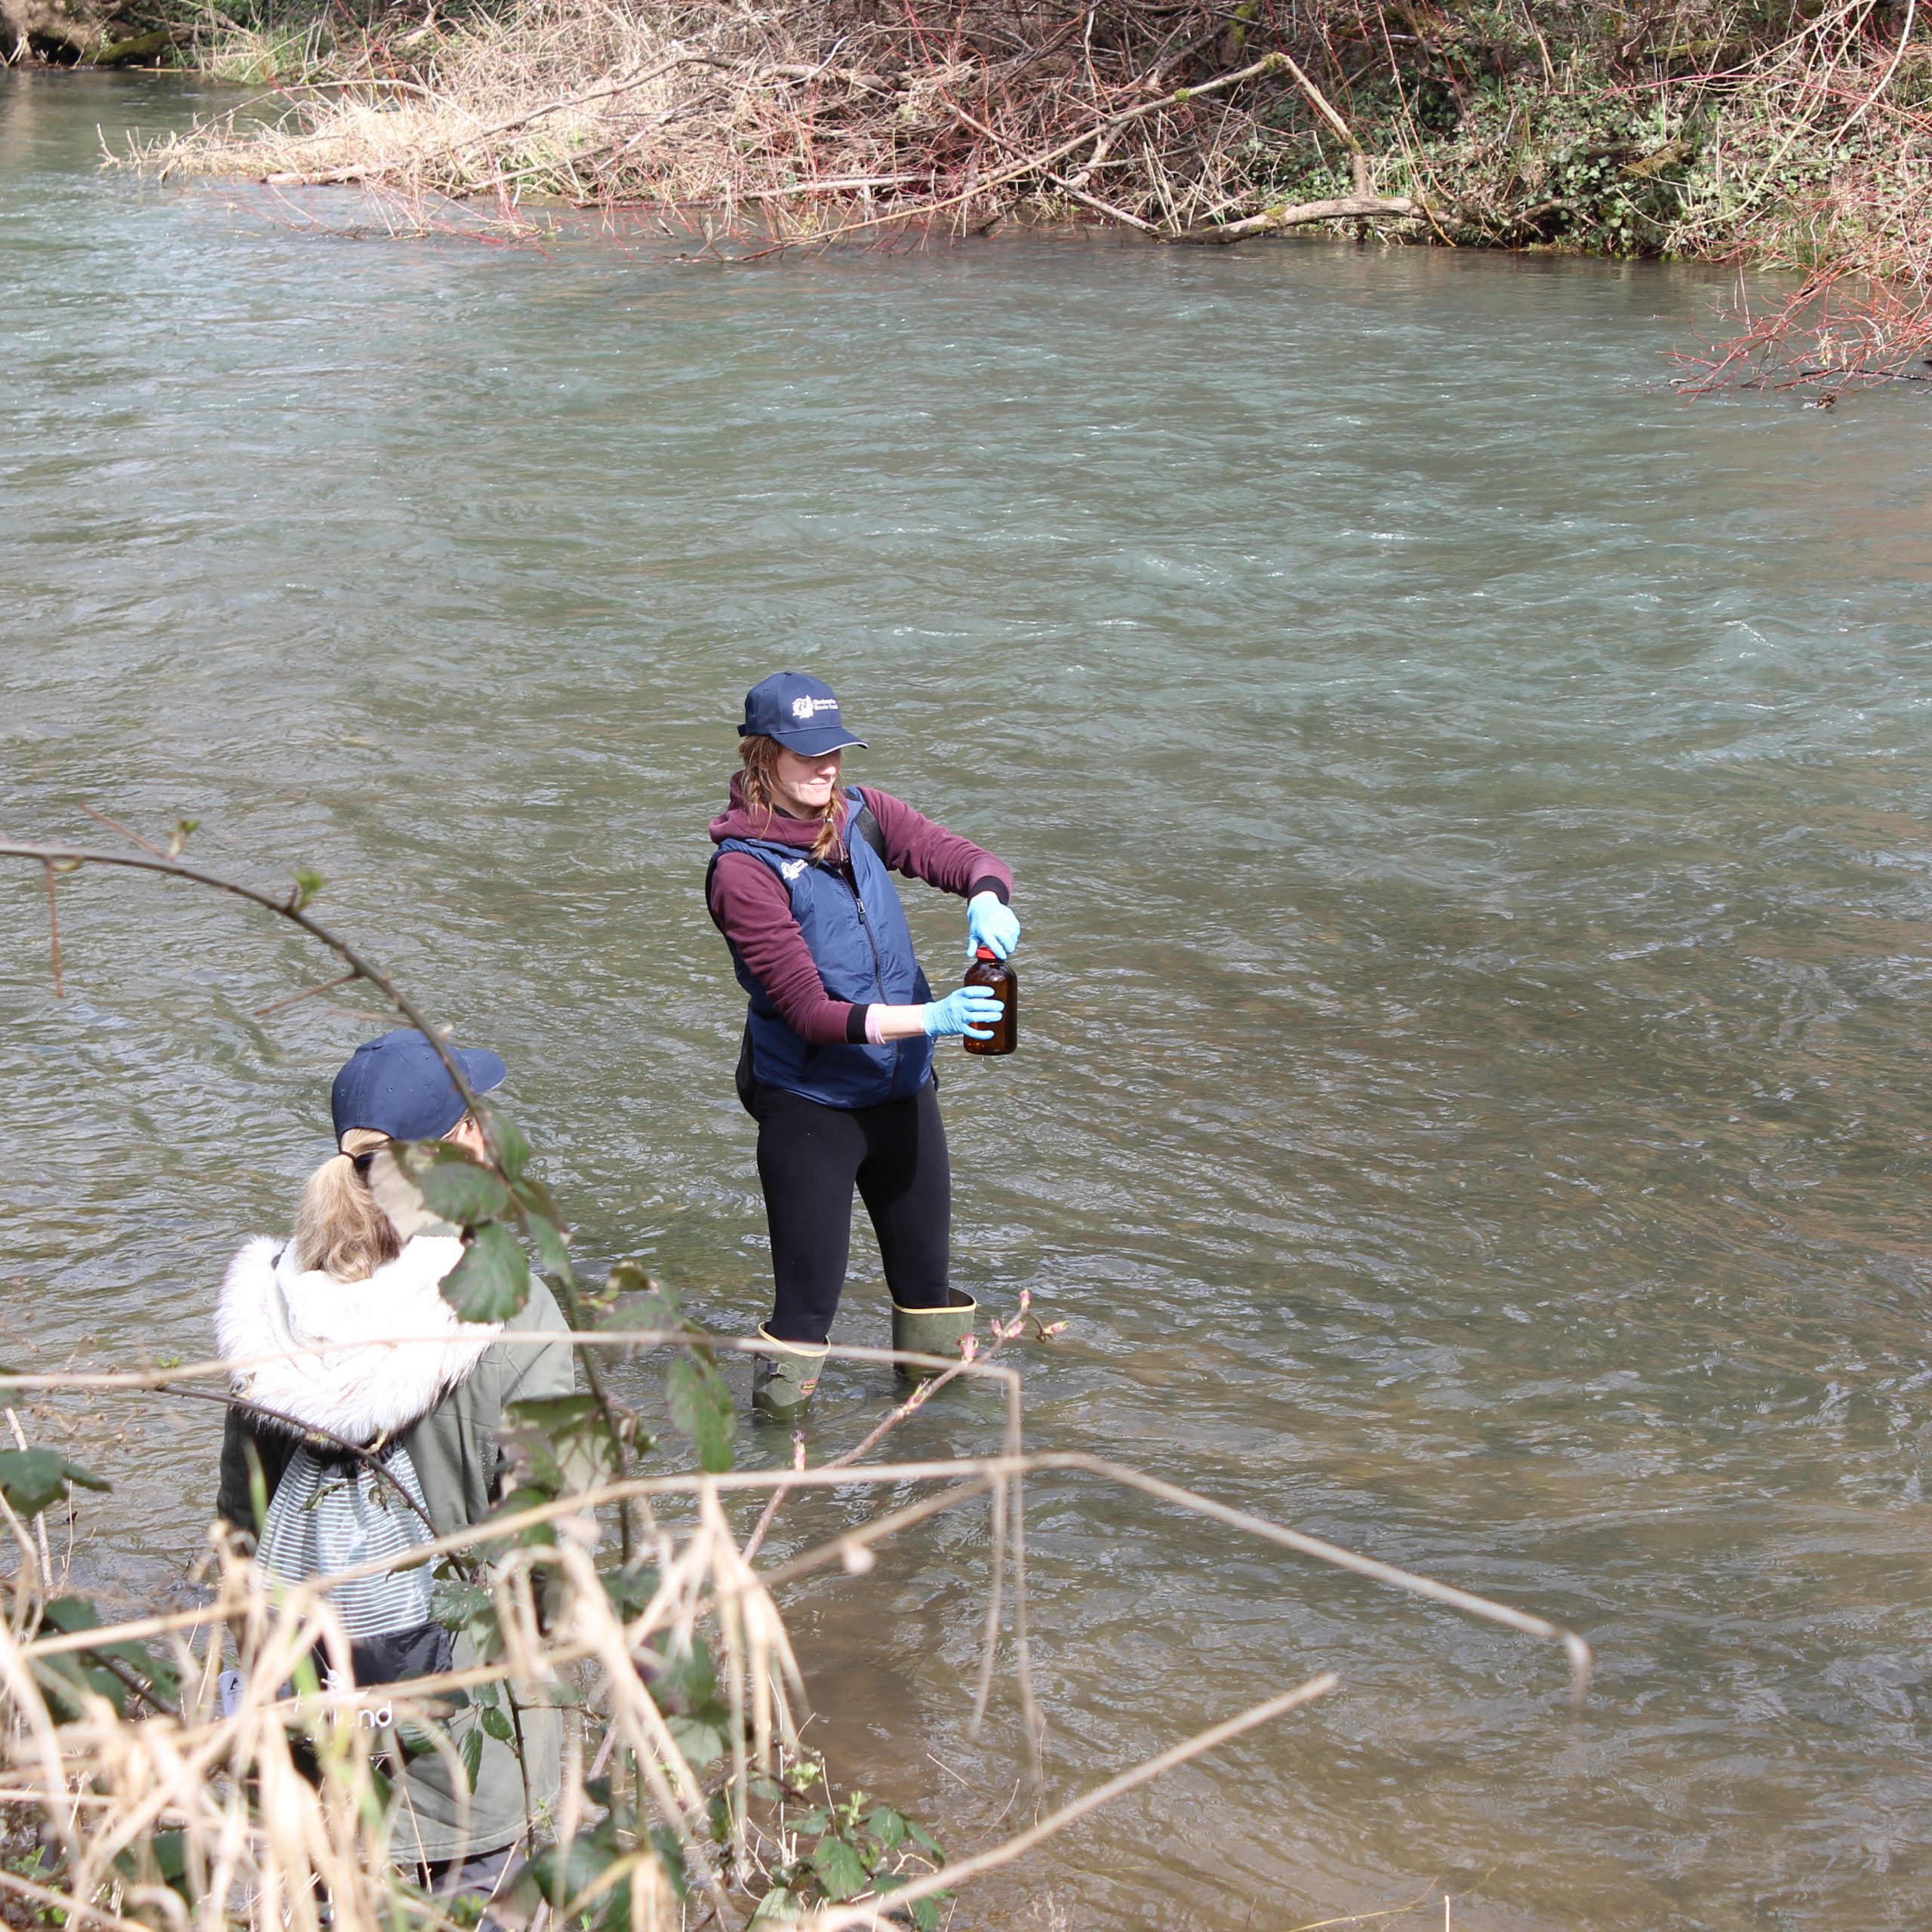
1474, 821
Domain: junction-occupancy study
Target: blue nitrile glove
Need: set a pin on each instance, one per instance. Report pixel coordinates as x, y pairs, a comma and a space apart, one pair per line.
972, 1010
991, 924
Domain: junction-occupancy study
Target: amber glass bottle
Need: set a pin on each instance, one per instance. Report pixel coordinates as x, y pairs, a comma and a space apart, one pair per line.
999, 978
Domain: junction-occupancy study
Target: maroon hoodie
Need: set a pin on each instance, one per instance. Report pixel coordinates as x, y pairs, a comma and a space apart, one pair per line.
753, 910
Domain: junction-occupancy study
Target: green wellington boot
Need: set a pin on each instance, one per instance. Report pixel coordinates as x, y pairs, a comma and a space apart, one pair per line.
783, 1381
932, 1331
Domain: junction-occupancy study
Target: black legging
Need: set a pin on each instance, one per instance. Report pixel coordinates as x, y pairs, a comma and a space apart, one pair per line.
809, 1156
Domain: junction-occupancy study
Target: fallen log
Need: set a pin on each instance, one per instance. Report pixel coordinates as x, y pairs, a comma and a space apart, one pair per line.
137, 48
1300, 214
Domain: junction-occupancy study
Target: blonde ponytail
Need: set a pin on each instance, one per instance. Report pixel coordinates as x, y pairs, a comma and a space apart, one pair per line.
339, 1228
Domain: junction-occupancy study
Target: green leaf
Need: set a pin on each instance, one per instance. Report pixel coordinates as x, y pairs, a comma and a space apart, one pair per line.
645, 1312
671, 1856
455, 1603
535, 1198
887, 1826
812, 1823
703, 1739
492, 1281
559, 1872
471, 1752
35, 1479
627, 1591
497, 1725
418, 1741
530, 1535
553, 1255
69, 1614
685, 1688
631, 1278
454, 1187
307, 885
778, 1907
688, 1679
513, 1144
920, 1835
701, 1406
62, 1679
529, 1475
559, 1443
841, 1874
398, 1196
923, 1912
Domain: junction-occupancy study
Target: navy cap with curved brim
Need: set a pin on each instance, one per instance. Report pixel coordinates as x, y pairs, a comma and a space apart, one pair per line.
800, 712
396, 1085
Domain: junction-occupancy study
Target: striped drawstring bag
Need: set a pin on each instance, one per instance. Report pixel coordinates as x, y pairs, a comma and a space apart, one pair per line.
333, 1513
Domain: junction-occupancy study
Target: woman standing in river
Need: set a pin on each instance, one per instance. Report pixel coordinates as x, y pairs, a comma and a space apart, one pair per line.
837, 1065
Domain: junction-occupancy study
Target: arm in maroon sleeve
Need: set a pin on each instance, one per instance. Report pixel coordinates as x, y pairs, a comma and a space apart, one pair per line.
754, 911
921, 849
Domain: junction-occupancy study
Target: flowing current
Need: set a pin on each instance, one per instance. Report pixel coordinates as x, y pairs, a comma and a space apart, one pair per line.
1473, 816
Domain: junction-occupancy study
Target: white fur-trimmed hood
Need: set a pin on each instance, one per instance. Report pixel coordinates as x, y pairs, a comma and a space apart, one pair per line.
371, 1386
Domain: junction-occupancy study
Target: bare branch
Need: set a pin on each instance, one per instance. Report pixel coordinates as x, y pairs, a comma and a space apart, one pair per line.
1023, 1842
307, 992
115, 825
71, 858
53, 930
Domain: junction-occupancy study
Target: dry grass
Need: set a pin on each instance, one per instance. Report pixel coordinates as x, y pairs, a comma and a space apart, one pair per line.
799, 123
171, 1814
225, 50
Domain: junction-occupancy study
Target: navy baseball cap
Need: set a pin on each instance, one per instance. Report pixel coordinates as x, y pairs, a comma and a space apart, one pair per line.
396, 1085
799, 711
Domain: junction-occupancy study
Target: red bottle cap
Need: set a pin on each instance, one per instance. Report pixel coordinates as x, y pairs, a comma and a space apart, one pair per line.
986, 952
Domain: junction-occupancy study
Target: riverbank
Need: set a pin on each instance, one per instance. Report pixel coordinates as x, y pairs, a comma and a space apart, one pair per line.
1777, 137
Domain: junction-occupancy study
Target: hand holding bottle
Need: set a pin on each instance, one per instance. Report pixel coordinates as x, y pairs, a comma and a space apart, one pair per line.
971, 1011
993, 924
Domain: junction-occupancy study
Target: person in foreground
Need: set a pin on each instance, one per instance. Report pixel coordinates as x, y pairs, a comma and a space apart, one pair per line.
837, 1066
427, 1411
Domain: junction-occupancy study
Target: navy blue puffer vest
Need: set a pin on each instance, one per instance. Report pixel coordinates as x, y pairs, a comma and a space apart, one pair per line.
856, 929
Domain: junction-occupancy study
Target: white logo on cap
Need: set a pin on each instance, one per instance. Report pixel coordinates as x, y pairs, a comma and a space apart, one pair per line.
803, 708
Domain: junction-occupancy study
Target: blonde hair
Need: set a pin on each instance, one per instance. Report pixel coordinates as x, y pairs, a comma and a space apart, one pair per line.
760, 755
339, 1227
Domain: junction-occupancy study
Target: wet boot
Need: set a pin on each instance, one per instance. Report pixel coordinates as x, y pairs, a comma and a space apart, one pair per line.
783, 1381
932, 1331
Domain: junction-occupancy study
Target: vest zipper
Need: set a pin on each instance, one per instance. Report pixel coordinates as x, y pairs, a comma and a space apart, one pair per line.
866, 925
878, 965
